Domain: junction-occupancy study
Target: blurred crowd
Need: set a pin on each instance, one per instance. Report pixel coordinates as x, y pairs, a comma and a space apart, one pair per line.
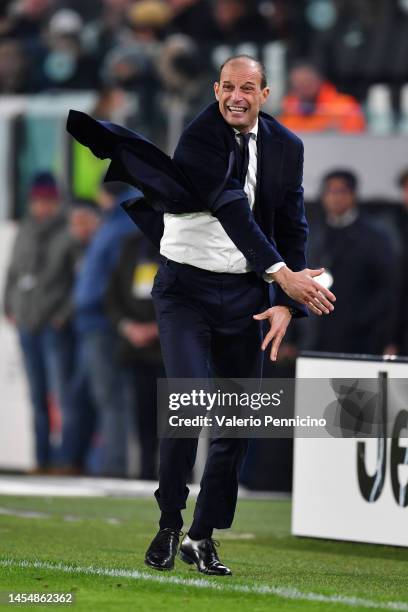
78, 293
165, 48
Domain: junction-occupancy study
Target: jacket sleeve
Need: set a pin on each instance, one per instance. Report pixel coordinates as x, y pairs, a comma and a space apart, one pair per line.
291, 232
57, 280
134, 160
206, 162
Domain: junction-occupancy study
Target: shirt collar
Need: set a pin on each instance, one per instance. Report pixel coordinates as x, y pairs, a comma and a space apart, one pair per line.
253, 132
343, 220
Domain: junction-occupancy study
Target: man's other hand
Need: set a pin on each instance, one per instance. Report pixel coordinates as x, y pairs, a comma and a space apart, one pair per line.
279, 318
302, 287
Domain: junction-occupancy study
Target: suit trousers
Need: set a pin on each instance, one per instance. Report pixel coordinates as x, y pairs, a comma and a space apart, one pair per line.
206, 326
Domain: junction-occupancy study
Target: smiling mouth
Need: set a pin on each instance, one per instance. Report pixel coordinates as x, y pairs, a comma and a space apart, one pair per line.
237, 109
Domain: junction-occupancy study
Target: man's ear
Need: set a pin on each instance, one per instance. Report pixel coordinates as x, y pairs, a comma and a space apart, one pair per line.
216, 90
265, 94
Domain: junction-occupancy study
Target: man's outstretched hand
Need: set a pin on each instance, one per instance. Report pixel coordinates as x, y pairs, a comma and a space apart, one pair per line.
279, 318
302, 287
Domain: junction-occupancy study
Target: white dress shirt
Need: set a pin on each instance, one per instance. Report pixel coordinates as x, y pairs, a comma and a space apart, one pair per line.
198, 238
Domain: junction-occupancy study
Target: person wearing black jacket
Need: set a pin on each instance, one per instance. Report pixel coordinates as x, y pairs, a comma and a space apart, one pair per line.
130, 307
399, 340
360, 258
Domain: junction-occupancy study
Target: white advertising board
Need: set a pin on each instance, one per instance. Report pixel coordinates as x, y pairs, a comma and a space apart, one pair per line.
16, 438
332, 497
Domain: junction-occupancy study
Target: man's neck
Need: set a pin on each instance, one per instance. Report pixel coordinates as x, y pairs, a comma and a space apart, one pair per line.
247, 130
344, 220
244, 130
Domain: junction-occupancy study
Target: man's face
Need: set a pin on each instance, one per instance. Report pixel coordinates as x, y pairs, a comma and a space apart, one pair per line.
337, 197
228, 12
239, 93
305, 83
83, 224
43, 208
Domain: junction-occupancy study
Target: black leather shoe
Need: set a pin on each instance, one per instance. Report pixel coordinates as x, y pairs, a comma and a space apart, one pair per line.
204, 555
162, 551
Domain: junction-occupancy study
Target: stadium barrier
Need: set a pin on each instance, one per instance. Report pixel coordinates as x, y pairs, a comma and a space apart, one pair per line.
349, 488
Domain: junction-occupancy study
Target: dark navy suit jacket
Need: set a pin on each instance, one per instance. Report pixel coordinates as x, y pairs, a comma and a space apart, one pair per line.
203, 176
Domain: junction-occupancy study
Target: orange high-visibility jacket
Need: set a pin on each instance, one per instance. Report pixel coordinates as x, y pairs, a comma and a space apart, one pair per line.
334, 112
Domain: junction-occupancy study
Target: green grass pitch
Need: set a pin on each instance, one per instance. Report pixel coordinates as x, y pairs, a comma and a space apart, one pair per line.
80, 544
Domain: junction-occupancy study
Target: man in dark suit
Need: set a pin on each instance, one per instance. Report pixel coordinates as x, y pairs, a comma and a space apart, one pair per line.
205, 292
359, 256
228, 215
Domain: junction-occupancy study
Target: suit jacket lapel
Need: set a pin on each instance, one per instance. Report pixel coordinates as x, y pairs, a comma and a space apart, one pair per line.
269, 171
232, 163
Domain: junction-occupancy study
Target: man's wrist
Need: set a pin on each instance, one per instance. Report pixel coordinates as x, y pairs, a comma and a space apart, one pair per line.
289, 309
269, 274
281, 275
275, 267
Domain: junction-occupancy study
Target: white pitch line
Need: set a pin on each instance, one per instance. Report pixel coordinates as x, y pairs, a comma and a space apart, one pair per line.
260, 589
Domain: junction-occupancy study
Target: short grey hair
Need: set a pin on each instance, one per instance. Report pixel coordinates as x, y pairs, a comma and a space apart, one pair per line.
261, 67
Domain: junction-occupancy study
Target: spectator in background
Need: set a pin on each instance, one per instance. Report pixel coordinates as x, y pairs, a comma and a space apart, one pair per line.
314, 105
35, 292
284, 19
4, 19
359, 258
27, 18
13, 68
79, 422
148, 20
103, 33
237, 21
192, 18
130, 307
399, 343
132, 65
65, 65
95, 332
182, 70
